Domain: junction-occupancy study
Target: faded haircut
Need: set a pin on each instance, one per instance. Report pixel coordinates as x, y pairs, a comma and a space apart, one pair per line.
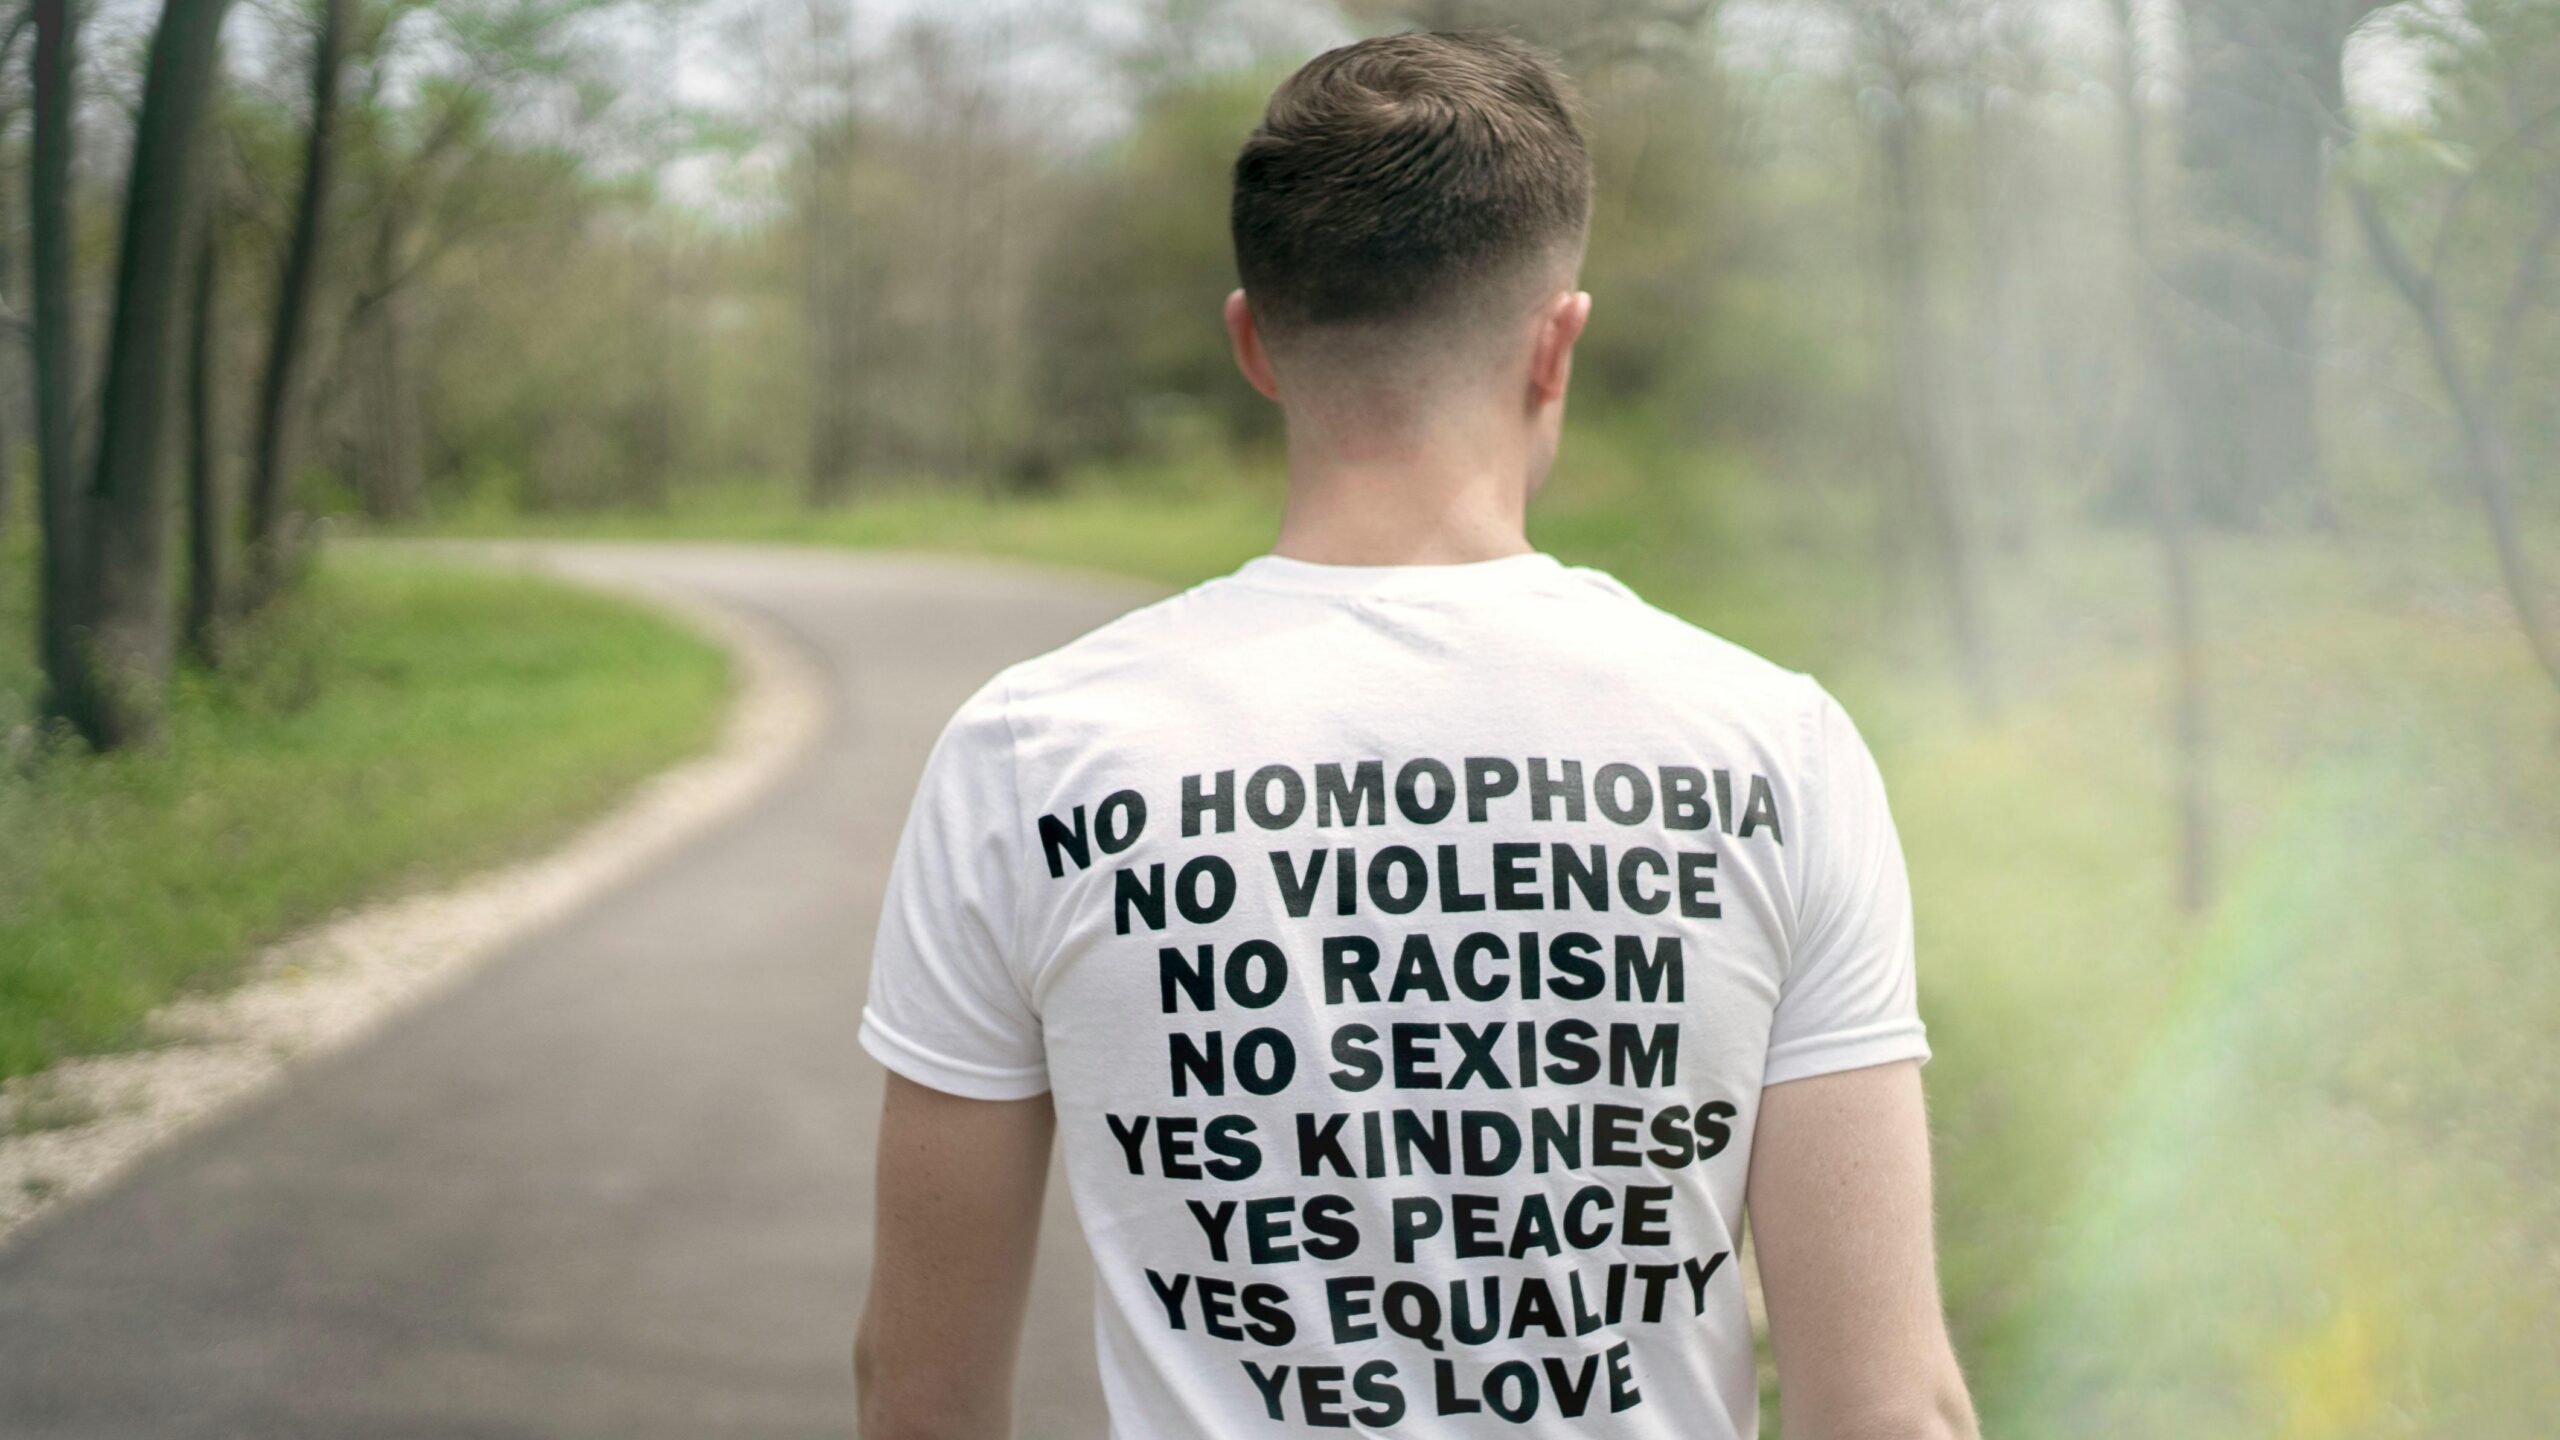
1410, 185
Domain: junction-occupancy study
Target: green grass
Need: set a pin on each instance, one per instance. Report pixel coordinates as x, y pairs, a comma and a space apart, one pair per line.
400, 724
2275, 1170
2284, 1169
1153, 525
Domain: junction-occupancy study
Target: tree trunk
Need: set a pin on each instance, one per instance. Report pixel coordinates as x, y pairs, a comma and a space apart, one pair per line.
9, 361
272, 462
2265, 79
391, 440
1996, 393
208, 500
62, 508
662, 387
1881, 440
387, 447
112, 690
1917, 355
2143, 453
12, 357
831, 302
2488, 456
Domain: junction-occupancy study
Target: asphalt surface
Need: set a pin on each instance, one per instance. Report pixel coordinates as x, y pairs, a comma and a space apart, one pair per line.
617, 1182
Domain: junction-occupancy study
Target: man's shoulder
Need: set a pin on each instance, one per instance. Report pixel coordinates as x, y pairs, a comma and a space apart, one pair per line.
1138, 643
1582, 627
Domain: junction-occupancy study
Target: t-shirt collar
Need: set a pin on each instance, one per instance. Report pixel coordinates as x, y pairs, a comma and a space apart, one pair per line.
1279, 572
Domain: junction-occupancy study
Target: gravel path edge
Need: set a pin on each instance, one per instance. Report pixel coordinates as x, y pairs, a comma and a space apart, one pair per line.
67, 1131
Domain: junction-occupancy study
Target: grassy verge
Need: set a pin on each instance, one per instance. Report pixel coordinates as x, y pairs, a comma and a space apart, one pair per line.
2281, 1169
1153, 525
401, 724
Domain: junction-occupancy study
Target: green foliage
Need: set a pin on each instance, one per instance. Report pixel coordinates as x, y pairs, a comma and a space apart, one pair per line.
2472, 182
1661, 224
1128, 318
400, 723
2267, 1173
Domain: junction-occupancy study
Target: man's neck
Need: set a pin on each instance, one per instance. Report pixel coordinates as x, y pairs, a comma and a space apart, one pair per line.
1443, 498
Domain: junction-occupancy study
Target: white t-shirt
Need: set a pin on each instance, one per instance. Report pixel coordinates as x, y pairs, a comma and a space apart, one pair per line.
1405, 949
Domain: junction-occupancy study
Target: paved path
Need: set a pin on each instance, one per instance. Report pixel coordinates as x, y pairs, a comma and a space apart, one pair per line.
615, 1184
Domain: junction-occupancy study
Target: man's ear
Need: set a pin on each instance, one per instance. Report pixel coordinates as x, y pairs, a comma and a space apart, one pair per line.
1246, 338
1560, 323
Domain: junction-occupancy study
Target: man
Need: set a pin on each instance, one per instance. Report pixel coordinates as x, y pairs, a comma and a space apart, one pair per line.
1421, 948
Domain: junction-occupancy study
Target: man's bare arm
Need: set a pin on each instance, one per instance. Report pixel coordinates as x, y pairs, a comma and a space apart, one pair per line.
1842, 1227
958, 1220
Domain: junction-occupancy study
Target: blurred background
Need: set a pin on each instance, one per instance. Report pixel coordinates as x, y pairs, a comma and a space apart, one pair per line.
2139, 411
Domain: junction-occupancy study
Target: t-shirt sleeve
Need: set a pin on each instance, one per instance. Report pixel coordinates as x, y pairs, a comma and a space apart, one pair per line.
949, 1007
1850, 998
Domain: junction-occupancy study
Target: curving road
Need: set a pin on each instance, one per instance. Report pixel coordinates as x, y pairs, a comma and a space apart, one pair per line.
616, 1183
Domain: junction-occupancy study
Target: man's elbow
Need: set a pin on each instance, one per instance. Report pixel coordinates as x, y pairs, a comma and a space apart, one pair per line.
1948, 1414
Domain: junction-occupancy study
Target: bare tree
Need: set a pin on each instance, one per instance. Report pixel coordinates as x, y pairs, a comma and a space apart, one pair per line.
53, 344
658, 302
20, 31
2477, 397
279, 413
391, 436
828, 235
2142, 451
2261, 75
1914, 349
110, 685
209, 516
2002, 60
659, 311
2316, 99
438, 100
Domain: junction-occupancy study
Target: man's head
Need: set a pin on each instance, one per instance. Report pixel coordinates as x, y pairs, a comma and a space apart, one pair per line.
1408, 221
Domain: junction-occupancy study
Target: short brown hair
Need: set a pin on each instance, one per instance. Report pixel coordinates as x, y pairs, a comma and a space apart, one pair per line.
1407, 177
